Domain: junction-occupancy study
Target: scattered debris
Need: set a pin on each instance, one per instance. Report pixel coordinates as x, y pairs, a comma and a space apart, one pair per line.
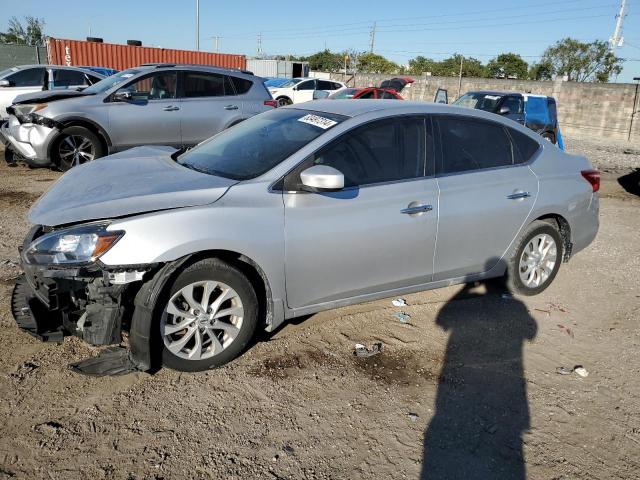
364, 352
548, 312
566, 329
112, 361
399, 302
559, 308
580, 370
564, 370
631, 151
413, 416
403, 317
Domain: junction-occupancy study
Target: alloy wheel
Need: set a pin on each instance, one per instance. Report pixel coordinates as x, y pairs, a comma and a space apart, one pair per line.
201, 320
75, 150
538, 260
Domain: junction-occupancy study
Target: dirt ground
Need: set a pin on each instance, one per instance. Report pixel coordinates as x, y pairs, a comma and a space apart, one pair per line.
466, 388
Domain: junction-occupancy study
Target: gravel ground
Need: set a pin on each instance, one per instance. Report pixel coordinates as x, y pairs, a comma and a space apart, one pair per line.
469, 381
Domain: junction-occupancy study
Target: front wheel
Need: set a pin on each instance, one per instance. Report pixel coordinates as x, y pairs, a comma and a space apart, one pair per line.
536, 260
209, 317
75, 146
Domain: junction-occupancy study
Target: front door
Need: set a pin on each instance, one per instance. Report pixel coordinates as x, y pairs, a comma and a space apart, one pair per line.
377, 234
151, 117
303, 92
485, 196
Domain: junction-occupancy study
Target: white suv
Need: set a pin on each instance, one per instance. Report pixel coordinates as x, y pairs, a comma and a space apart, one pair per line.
36, 78
298, 90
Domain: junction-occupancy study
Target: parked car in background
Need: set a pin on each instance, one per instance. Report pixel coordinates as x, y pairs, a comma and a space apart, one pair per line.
290, 213
374, 93
107, 72
275, 82
299, 90
164, 104
537, 112
36, 78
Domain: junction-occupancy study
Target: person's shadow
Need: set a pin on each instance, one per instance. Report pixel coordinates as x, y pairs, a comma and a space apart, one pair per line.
481, 404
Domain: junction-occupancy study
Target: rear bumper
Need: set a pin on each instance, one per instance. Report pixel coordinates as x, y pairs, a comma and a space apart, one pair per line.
584, 227
30, 140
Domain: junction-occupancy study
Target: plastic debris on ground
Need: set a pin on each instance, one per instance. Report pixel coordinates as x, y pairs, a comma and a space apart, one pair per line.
413, 416
580, 370
363, 351
564, 370
403, 317
399, 302
567, 330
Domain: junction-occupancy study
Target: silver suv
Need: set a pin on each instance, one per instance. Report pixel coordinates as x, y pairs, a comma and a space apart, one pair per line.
175, 105
294, 211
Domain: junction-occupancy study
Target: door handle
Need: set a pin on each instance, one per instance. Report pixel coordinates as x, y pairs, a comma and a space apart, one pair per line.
518, 195
231, 107
171, 108
416, 209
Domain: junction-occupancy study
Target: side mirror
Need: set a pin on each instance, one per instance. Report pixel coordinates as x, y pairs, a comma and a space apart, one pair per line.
504, 111
5, 83
123, 96
322, 178
320, 94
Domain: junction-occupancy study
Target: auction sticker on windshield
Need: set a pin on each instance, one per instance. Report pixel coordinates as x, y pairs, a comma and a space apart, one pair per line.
318, 121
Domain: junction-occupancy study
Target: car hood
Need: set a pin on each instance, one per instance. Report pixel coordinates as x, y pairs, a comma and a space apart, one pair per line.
143, 179
47, 96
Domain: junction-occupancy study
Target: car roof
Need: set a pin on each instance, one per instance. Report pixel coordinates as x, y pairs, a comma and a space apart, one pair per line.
350, 108
45, 65
192, 66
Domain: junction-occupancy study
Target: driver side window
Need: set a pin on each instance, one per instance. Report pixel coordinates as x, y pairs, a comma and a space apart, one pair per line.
158, 86
309, 85
382, 151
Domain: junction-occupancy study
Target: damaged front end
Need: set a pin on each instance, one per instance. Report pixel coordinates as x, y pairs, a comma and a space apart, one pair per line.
63, 293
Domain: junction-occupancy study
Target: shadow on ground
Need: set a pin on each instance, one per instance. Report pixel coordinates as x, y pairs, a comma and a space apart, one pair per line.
481, 404
631, 182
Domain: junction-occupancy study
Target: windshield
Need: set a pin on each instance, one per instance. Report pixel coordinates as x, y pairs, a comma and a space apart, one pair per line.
6, 72
106, 83
344, 93
479, 101
255, 146
291, 83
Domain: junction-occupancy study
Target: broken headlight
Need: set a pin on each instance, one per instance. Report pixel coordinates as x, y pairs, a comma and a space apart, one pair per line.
74, 245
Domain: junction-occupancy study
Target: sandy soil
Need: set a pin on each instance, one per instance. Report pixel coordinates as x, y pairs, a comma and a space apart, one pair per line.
466, 388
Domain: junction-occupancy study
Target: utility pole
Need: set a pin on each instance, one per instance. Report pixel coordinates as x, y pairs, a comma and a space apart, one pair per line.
460, 76
259, 47
372, 36
617, 39
198, 25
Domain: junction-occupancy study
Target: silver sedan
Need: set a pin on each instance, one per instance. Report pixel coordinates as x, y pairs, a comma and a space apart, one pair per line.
294, 211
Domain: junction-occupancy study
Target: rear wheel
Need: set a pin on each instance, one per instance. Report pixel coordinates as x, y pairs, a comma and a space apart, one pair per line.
75, 146
209, 317
536, 260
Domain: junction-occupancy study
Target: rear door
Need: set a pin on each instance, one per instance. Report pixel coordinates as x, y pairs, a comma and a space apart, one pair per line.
209, 105
486, 194
151, 117
379, 232
515, 105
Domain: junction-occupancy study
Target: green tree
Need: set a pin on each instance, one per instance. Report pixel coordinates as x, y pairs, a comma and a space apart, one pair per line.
508, 65
420, 65
583, 62
32, 34
374, 63
542, 70
325, 61
450, 67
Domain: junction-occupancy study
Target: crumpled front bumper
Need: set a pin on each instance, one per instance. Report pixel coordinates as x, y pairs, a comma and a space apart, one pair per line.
30, 140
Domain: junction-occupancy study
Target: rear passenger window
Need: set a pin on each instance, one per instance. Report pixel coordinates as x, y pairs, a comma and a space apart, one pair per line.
384, 151
69, 78
242, 85
526, 147
197, 84
469, 144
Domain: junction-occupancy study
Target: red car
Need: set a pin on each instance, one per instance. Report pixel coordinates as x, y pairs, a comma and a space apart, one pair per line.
389, 89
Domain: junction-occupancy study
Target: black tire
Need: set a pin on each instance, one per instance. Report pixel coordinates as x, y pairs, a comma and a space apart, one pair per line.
550, 137
284, 101
513, 281
11, 156
75, 133
219, 271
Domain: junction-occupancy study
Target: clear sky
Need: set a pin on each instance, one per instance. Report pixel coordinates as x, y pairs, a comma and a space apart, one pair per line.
404, 29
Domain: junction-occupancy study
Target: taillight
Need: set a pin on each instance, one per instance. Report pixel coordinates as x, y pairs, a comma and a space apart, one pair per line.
271, 103
593, 177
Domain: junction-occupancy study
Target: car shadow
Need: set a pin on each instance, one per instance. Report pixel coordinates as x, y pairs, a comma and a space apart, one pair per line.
631, 182
481, 407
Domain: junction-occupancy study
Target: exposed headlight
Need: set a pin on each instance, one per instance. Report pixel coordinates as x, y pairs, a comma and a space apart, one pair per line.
27, 108
82, 244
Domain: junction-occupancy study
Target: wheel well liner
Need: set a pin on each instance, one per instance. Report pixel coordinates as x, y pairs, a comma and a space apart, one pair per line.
565, 232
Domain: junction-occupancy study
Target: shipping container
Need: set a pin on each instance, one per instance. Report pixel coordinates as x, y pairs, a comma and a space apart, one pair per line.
119, 57
278, 68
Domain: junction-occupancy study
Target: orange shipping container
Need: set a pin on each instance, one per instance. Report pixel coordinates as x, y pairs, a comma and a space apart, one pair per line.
119, 57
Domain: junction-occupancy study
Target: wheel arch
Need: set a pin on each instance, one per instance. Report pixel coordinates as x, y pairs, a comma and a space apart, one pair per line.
564, 228
90, 125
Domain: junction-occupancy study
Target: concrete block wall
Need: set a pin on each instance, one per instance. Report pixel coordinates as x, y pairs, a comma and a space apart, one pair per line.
584, 109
